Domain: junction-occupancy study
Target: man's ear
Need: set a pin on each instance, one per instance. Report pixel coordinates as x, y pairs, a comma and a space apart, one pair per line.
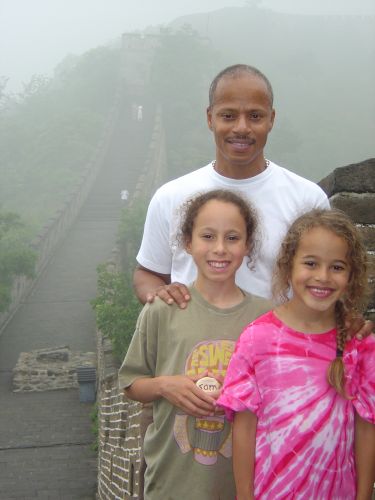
209, 117
272, 121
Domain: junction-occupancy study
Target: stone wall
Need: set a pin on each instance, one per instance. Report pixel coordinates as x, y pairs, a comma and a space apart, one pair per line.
122, 422
352, 189
56, 228
50, 369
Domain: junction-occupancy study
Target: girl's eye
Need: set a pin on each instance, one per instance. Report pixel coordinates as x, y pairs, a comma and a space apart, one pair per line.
233, 237
338, 267
207, 236
309, 263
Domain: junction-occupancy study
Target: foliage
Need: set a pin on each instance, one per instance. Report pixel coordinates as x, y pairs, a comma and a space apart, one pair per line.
16, 256
49, 132
181, 72
116, 306
130, 232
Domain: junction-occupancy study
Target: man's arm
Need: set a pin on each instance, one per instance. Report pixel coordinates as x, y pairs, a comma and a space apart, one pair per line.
244, 432
365, 458
149, 284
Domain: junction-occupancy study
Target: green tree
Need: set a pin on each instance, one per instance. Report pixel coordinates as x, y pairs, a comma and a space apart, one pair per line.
182, 69
115, 305
50, 130
16, 256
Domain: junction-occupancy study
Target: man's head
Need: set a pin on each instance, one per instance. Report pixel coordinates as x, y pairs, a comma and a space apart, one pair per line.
240, 115
233, 72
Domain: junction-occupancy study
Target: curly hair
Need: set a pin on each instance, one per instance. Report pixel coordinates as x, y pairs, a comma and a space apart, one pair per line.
355, 297
192, 207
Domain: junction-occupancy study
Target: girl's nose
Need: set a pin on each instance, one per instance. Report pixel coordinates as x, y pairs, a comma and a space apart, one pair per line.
219, 246
322, 274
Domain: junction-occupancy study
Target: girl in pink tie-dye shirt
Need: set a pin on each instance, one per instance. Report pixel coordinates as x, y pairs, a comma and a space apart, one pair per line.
295, 388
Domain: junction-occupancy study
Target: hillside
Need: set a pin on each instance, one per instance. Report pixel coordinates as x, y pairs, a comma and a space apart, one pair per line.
323, 73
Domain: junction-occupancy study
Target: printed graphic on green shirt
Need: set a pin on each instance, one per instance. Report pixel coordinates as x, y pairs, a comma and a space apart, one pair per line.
210, 436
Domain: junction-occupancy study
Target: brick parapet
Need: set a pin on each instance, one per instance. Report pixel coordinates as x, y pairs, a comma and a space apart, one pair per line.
119, 438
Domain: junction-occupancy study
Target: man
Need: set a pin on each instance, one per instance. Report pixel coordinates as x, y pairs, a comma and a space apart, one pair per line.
240, 115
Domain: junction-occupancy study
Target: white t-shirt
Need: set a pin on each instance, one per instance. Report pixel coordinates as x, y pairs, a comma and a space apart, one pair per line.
279, 196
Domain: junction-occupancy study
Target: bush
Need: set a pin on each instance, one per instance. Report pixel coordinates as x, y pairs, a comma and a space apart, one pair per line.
116, 306
16, 256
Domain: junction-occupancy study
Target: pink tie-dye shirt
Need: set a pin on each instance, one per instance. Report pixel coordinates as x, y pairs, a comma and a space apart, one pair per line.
305, 429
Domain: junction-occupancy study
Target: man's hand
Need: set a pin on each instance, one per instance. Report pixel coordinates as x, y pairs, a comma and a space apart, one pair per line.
172, 293
181, 391
359, 327
149, 284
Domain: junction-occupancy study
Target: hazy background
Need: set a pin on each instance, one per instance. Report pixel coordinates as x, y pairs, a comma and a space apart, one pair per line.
36, 34
59, 65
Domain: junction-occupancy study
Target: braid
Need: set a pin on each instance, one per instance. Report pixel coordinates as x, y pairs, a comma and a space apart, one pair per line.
336, 372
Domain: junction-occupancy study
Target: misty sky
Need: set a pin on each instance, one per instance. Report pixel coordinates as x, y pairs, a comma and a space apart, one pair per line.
35, 35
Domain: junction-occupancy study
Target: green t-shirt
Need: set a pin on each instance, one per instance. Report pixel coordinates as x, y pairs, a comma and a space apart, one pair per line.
187, 457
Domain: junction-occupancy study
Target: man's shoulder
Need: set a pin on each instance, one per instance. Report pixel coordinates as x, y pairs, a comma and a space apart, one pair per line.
294, 178
295, 183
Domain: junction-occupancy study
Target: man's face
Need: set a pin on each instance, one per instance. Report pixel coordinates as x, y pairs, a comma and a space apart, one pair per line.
240, 118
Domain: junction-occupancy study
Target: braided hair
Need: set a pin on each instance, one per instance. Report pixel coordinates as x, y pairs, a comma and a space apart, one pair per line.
355, 298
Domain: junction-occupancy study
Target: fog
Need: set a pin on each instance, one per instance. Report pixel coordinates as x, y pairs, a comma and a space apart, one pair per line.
35, 35
59, 61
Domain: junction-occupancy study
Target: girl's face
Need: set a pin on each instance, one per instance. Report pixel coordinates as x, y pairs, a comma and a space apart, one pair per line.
218, 243
320, 271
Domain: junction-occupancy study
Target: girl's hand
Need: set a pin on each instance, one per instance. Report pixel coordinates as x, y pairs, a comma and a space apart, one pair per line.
181, 391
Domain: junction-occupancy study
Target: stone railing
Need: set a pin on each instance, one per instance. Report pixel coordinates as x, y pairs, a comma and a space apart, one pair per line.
120, 419
119, 435
56, 228
122, 422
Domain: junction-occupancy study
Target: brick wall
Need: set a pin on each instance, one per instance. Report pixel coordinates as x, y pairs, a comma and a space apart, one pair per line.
119, 433
120, 420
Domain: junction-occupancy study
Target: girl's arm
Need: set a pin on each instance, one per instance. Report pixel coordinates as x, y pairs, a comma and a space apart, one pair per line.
364, 457
244, 431
179, 390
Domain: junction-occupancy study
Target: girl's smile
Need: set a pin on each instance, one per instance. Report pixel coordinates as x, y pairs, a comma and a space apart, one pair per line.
218, 243
320, 275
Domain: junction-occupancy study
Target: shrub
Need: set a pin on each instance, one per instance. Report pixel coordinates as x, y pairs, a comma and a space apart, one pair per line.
116, 306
